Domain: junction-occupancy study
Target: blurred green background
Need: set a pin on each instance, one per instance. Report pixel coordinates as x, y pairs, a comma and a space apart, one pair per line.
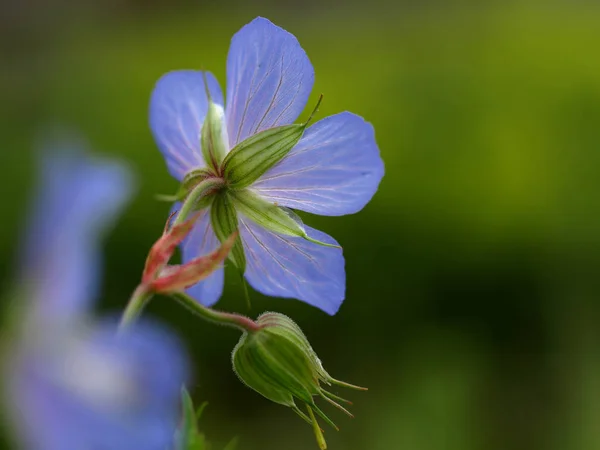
473, 275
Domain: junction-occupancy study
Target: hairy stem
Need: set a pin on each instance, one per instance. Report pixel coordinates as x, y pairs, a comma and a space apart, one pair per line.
142, 295
219, 317
199, 191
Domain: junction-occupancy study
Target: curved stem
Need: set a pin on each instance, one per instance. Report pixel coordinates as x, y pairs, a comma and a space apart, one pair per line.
139, 299
219, 317
142, 295
199, 191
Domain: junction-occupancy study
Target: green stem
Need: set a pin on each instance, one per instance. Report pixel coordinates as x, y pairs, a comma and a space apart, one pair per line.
142, 294
139, 299
199, 191
219, 317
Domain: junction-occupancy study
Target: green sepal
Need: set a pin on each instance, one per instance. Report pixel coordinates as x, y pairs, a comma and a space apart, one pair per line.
251, 158
248, 369
190, 181
211, 139
224, 220
272, 217
245, 291
213, 135
317, 430
203, 203
275, 367
283, 325
193, 177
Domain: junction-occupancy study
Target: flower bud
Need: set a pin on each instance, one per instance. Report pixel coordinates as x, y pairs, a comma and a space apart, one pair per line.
278, 362
160, 277
164, 247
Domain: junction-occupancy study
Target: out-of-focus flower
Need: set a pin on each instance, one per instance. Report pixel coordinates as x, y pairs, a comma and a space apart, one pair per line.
78, 199
261, 164
87, 386
71, 382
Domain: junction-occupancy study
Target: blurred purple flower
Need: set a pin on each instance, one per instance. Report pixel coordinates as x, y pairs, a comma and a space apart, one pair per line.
77, 199
335, 169
72, 382
87, 387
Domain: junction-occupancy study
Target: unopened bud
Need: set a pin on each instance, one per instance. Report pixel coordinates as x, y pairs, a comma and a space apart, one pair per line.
160, 277
278, 362
163, 249
174, 278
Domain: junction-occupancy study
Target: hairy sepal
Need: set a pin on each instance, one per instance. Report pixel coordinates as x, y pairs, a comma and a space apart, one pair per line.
224, 220
271, 217
253, 157
274, 367
277, 361
189, 182
212, 137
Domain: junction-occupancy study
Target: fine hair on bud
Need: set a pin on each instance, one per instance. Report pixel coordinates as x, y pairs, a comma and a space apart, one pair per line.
278, 362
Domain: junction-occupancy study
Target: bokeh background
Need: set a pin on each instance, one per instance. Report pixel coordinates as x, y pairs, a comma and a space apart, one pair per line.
473, 275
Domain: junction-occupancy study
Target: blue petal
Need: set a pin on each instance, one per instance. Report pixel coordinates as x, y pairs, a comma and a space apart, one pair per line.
269, 79
80, 388
292, 267
78, 198
177, 109
334, 170
202, 240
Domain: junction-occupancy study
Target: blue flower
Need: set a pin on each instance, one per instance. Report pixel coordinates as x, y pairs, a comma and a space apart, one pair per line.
333, 170
78, 198
72, 382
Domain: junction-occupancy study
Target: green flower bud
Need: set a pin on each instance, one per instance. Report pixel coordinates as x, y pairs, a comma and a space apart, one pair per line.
278, 362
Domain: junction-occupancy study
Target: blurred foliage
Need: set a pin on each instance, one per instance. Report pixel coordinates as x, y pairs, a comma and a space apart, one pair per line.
189, 435
472, 308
